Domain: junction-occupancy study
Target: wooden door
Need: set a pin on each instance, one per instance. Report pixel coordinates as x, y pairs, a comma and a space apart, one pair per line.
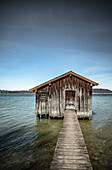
70, 99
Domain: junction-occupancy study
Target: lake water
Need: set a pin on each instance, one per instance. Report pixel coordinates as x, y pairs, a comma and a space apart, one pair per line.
28, 143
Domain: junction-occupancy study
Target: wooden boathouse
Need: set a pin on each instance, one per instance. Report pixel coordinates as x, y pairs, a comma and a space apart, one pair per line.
68, 96
68, 91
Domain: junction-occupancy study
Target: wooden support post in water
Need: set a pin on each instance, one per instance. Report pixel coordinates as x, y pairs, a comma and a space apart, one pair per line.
71, 151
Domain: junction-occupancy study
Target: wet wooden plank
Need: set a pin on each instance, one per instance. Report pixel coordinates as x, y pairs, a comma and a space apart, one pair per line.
70, 151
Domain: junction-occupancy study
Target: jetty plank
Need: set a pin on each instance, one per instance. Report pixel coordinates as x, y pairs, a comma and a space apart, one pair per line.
70, 151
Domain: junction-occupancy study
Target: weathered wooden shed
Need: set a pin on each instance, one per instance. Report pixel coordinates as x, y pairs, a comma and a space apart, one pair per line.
68, 91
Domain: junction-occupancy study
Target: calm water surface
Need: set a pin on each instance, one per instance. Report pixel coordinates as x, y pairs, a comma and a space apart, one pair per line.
28, 143
25, 141
98, 133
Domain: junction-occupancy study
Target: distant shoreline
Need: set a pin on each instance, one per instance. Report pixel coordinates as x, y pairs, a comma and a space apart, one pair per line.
34, 93
101, 93
16, 93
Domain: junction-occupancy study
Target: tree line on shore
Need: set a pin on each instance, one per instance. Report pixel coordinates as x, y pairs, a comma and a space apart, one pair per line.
96, 90
15, 91
100, 90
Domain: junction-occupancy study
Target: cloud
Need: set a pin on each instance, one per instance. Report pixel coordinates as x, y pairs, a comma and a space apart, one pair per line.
15, 26
89, 70
96, 69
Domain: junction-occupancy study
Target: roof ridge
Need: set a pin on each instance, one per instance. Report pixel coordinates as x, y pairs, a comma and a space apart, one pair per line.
61, 76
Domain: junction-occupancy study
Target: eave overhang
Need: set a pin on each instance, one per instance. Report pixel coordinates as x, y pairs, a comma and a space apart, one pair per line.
92, 83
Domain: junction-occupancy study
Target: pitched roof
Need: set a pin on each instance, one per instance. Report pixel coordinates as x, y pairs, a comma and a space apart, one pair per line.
62, 76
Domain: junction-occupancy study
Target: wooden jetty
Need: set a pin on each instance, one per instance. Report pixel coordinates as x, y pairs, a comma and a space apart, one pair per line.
71, 151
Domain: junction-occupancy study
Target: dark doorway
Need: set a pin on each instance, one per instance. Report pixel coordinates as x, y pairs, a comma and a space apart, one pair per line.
70, 99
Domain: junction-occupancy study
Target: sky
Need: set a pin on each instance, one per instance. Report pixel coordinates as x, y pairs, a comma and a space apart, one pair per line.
42, 39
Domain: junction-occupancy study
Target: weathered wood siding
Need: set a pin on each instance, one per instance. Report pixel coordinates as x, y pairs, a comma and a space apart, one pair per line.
51, 99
